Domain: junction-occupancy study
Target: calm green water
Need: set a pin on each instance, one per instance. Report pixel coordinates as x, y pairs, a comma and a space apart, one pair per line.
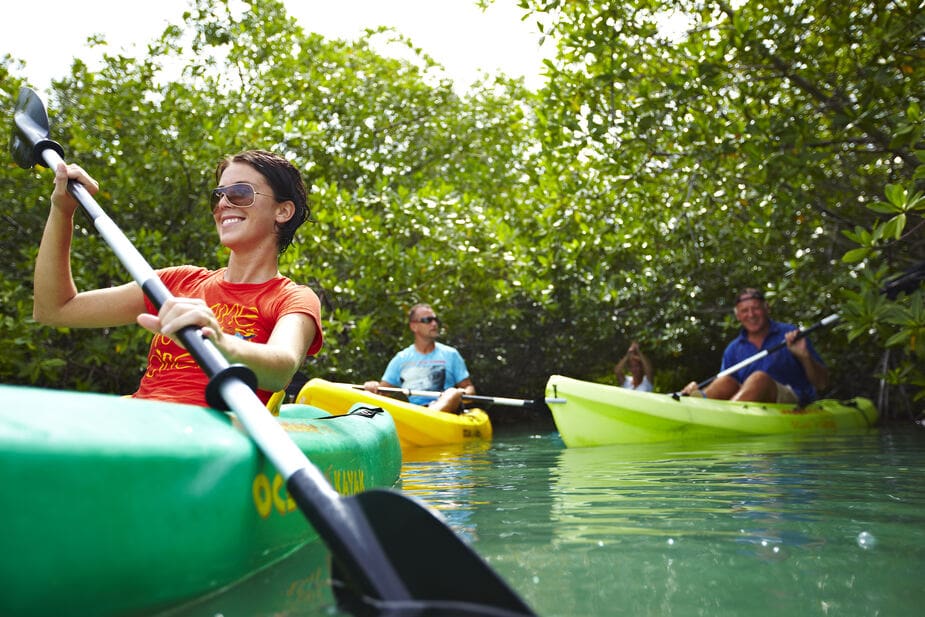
765, 526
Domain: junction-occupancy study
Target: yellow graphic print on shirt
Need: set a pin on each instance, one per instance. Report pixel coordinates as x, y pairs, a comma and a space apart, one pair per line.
241, 321
238, 320
166, 360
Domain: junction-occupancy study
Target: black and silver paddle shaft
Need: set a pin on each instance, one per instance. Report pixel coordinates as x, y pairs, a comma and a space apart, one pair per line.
395, 556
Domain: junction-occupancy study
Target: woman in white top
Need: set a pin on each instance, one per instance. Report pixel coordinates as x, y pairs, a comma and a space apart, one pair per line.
639, 375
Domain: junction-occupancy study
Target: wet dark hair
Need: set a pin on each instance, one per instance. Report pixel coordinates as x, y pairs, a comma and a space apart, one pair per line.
286, 183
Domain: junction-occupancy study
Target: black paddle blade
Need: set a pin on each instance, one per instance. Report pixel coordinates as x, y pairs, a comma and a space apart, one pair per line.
906, 282
443, 575
30, 131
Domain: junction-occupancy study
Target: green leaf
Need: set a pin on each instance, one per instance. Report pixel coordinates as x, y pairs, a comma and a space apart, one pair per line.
893, 228
896, 195
856, 255
884, 207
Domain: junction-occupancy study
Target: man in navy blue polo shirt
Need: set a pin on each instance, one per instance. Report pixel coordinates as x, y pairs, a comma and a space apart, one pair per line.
792, 376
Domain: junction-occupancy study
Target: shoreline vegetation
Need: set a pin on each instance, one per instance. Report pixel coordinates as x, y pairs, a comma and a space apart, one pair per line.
628, 197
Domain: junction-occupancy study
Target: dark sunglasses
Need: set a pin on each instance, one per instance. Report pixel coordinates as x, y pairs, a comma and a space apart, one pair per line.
428, 320
239, 194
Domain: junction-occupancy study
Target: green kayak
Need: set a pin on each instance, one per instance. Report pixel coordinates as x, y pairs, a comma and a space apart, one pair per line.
593, 414
115, 506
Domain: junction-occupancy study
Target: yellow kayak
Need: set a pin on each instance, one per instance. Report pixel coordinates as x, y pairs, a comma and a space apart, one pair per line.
417, 426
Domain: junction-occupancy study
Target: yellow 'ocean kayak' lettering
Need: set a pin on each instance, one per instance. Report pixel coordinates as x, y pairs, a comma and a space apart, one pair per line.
272, 495
349, 481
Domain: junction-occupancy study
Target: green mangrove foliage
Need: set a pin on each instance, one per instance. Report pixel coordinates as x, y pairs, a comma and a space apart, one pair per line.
679, 150
731, 144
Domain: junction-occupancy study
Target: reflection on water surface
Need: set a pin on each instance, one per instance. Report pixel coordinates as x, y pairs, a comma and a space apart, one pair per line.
762, 526
830, 525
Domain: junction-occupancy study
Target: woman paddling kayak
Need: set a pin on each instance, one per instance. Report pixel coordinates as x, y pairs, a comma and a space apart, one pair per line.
253, 314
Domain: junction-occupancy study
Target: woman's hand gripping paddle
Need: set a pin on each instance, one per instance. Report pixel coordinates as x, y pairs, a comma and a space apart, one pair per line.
394, 554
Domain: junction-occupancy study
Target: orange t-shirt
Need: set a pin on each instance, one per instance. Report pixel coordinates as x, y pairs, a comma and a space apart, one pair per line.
246, 310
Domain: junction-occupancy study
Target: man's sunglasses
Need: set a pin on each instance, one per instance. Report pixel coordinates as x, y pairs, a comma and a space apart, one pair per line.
427, 320
239, 194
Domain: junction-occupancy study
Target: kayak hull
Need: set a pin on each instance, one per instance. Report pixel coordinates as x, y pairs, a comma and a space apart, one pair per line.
120, 506
595, 414
417, 426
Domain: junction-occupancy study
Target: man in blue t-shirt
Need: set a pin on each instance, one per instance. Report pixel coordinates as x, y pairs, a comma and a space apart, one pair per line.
792, 376
427, 365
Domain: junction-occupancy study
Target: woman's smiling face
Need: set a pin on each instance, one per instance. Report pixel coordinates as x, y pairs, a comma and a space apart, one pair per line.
251, 224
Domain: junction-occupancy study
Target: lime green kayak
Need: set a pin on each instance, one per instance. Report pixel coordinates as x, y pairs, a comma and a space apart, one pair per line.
592, 414
115, 506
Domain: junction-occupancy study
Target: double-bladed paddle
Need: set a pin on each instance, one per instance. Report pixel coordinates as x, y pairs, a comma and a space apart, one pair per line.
903, 282
394, 555
488, 400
